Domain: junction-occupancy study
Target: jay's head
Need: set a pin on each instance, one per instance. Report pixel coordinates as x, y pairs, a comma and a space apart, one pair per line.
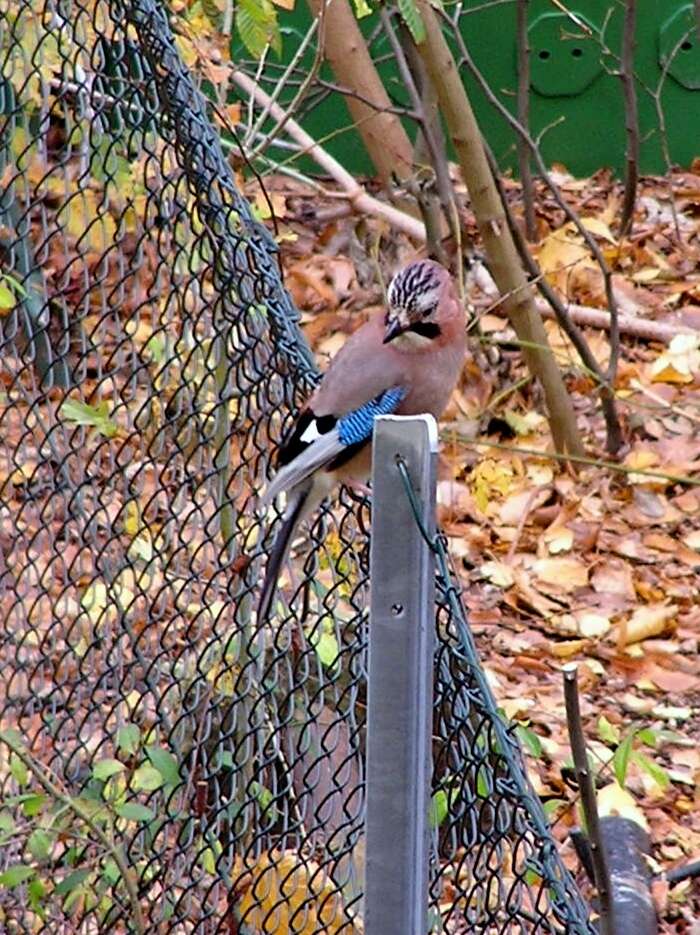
422, 306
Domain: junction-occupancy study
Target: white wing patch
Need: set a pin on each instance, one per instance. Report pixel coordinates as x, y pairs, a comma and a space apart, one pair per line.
311, 433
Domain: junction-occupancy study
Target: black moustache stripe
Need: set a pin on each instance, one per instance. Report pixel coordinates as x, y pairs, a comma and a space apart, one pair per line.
428, 329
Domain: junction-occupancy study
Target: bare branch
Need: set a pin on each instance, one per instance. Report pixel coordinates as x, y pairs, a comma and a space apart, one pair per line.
488, 210
631, 116
354, 192
524, 120
570, 213
588, 799
345, 49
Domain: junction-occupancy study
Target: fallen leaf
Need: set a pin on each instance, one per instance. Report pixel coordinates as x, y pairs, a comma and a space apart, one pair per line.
592, 625
566, 573
498, 573
672, 680
648, 620
614, 800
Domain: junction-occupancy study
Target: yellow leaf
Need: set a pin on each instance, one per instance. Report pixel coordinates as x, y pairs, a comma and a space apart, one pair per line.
498, 573
593, 625
566, 648
490, 480
599, 228
285, 4
680, 362
614, 800
132, 520
277, 887
562, 253
641, 459
566, 573
648, 274
558, 539
648, 620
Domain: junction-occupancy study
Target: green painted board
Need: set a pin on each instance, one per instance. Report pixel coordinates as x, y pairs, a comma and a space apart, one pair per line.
576, 100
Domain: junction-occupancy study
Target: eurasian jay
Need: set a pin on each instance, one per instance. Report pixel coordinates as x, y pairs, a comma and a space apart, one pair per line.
406, 361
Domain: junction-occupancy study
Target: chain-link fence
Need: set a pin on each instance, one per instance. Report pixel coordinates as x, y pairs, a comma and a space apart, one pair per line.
168, 765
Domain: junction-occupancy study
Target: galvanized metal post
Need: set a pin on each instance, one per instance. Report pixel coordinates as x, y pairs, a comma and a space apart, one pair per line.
400, 692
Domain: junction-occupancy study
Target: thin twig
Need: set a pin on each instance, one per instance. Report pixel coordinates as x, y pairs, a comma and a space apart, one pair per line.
301, 93
450, 435
631, 117
638, 327
352, 190
565, 321
424, 101
570, 213
524, 119
588, 799
39, 772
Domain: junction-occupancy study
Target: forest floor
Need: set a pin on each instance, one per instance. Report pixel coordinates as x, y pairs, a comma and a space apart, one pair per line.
597, 566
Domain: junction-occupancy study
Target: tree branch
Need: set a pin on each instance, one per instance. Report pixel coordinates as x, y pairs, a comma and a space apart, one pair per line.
345, 49
505, 264
354, 192
631, 116
588, 800
523, 104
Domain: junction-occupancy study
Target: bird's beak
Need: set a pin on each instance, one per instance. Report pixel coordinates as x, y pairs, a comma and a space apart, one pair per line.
395, 327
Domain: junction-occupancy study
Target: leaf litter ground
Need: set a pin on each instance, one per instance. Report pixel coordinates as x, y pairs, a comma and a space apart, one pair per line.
598, 567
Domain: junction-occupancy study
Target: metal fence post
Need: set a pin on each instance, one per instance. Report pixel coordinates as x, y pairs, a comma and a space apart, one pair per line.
400, 691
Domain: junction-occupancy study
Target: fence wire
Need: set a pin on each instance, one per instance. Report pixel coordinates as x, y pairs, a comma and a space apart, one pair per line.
166, 764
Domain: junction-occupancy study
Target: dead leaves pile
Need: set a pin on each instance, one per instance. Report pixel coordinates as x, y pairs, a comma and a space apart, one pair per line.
599, 567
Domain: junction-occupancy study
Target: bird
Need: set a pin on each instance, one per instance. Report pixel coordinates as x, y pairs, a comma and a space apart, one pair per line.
405, 361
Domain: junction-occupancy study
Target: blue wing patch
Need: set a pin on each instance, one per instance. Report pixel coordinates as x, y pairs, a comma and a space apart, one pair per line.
357, 425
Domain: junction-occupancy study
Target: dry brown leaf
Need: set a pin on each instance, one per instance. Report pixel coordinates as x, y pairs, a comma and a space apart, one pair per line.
648, 620
565, 573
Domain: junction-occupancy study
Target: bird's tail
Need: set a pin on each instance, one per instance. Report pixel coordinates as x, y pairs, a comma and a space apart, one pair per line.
297, 500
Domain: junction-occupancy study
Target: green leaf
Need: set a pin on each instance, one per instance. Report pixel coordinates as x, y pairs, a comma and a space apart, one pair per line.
147, 778
39, 844
529, 739
106, 768
15, 875
134, 811
34, 803
607, 732
71, 881
110, 871
12, 738
7, 298
128, 738
657, 773
256, 22
649, 737
362, 9
36, 891
439, 807
621, 758
412, 18
326, 645
19, 771
16, 285
95, 417
7, 823
552, 806
165, 763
